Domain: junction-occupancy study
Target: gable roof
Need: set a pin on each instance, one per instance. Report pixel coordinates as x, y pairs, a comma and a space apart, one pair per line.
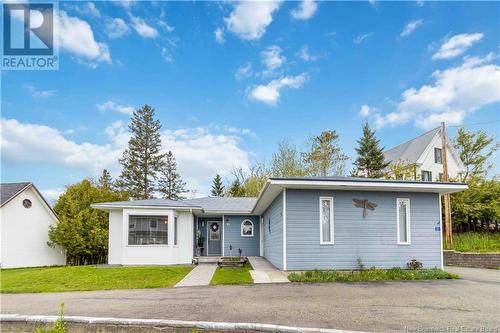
9, 191
410, 151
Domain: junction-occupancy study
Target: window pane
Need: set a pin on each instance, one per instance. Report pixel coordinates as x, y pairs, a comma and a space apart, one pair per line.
403, 235
145, 230
325, 212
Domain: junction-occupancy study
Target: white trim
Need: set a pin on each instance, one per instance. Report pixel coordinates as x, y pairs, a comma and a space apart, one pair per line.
223, 233
284, 229
111, 207
241, 228
441, 231
261, 235
206, 229
332, 224
408, 221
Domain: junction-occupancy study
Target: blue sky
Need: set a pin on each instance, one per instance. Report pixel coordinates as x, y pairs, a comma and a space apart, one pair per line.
230, 80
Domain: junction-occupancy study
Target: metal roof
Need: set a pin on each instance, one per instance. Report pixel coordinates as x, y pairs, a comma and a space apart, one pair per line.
9, 190
410, 151
224, 204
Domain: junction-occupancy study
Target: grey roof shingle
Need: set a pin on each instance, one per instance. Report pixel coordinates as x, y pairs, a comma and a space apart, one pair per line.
410, 151
224, 204
9, 190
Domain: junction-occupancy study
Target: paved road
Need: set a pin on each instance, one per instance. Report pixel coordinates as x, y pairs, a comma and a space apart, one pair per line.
472, 302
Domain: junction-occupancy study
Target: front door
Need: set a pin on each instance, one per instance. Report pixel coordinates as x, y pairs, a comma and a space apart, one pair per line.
214, 238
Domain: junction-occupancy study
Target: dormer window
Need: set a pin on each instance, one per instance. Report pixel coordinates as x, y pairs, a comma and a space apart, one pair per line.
438, 158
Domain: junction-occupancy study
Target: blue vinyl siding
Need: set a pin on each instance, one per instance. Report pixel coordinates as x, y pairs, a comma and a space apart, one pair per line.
372, 239
232, 236
273, 241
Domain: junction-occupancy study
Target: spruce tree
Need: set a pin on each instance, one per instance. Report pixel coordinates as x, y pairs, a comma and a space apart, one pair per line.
105, 182
217, 187
370, 162
170, 183
142, 160
236, 189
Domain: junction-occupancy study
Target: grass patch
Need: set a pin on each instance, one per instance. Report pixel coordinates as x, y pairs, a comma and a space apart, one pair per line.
226, 275
476, 242
74, 278
372, 274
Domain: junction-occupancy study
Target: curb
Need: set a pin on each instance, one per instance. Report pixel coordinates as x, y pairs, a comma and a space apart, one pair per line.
203, 325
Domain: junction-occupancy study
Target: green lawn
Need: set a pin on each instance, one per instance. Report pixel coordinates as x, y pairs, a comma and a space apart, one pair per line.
371, 274
476, 242
72, 278
232, 275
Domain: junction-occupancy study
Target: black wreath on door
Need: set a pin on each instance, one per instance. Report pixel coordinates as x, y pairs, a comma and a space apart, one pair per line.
214, 227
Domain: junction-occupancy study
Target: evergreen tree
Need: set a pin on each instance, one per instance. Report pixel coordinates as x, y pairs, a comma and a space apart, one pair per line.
105, 182
170, 183
370, 162
325, 157
142, 160
236, 189
217, 187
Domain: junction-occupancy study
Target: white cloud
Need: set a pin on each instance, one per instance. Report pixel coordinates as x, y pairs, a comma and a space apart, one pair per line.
305, 55
142, 28
124, 3
52, 194
272, 59
454, 94
250, 19
270, 93
420, 3
243, 71
35, 92
113, 106
33, 143
85, 8
360, 38
201, 152
166, 54
76, 37
219, 35
365, 111
457, 45
411, 27
167, 27
116, 28
305, 11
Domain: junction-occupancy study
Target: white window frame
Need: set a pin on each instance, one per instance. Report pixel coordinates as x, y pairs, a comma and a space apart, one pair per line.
241, 228
408, 221
332, 223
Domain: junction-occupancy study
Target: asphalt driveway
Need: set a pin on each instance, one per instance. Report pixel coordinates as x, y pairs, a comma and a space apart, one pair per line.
472, 303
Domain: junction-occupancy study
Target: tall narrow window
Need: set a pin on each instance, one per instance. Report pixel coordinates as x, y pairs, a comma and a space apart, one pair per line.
326, 220
175, 230
403, 217
437, 156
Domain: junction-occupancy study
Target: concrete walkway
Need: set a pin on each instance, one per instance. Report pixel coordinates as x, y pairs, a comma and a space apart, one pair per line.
264, 272
199, 276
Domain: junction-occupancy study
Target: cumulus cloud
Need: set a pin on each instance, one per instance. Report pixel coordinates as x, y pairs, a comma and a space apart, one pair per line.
455, 92
361, 38
219, 36
457, 45
305, 10
142, 28
201, 152
272, 59
76, 37
270, 93
52, 194
411, 27
115, 107
305, 55
365, 111
243, 71
250, 19
116, 28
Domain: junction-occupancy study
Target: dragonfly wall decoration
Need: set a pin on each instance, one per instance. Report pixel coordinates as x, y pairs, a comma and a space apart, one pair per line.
365, 204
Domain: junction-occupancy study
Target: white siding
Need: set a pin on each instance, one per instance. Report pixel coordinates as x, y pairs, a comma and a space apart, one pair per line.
122, 253
426, 161
24, 233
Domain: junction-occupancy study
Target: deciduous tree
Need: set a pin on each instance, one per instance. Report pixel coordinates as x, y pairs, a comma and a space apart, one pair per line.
325, 156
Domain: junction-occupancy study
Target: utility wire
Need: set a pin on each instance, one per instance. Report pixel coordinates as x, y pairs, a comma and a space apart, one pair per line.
473, 124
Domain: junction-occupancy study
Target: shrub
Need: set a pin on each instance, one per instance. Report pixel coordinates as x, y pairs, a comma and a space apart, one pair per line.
59, 324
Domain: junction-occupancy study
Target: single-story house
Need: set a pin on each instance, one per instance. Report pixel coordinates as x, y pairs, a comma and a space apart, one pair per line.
296, 223
24, 228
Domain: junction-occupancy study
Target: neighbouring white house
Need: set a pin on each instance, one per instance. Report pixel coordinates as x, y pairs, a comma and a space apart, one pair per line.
24, 226
425, 152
